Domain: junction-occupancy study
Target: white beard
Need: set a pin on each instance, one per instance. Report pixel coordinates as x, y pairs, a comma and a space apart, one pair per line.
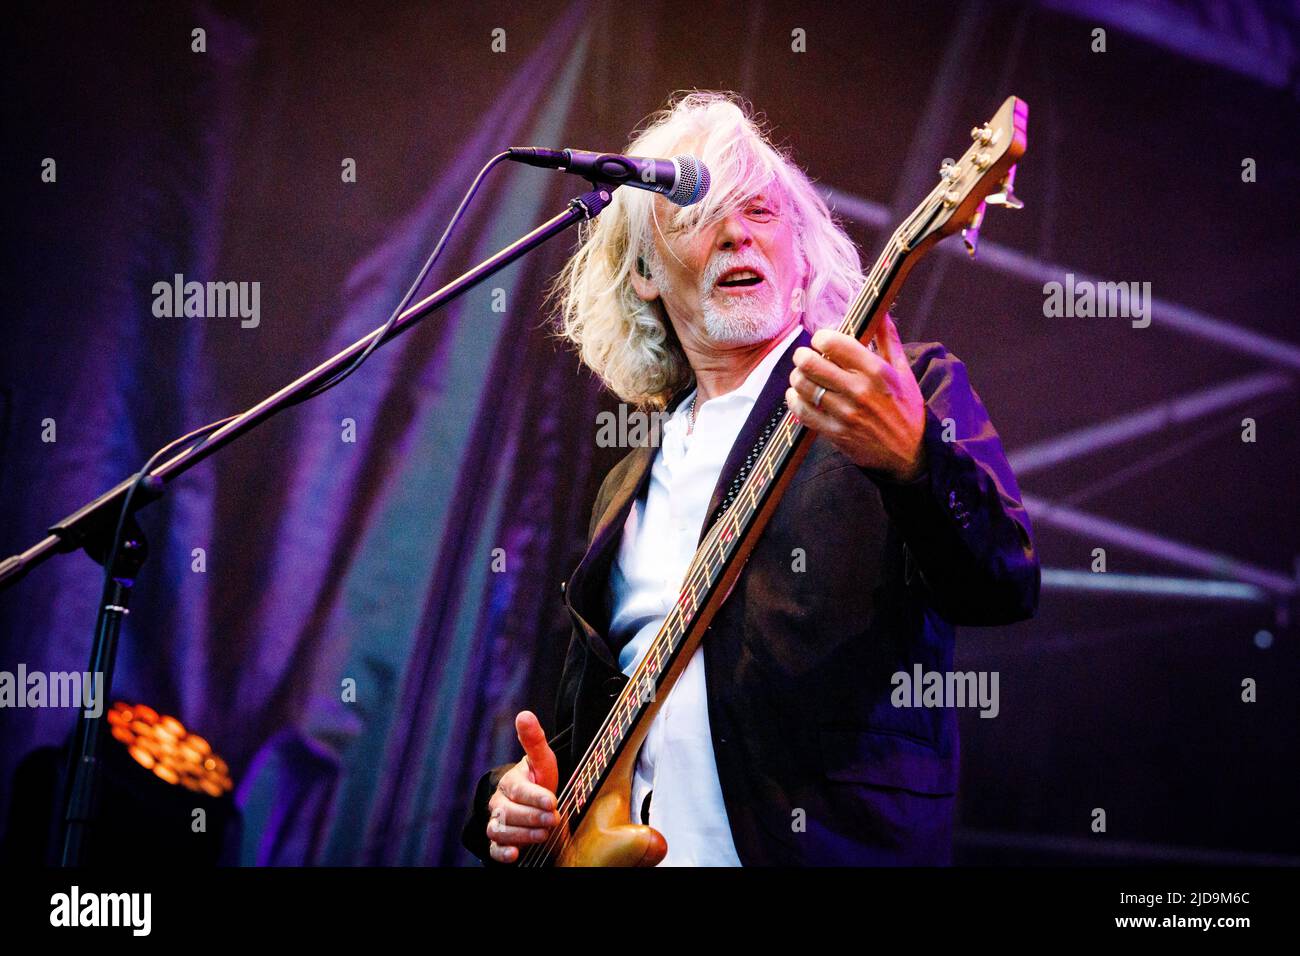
742, 320
734, 319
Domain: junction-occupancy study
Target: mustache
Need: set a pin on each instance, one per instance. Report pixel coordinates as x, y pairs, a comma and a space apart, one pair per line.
724, 261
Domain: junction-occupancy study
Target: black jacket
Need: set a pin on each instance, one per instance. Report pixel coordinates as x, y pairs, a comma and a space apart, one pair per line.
815, 764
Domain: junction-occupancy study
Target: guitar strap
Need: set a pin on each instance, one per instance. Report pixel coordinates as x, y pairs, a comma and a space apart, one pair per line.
739, 481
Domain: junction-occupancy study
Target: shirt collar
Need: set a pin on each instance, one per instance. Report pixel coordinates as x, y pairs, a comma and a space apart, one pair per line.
752, 386
754, 382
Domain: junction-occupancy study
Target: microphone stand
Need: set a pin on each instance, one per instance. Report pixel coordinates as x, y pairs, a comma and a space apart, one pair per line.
92, 526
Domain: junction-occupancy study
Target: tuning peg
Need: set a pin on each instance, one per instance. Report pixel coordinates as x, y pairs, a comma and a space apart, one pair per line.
1006, 195
971, 234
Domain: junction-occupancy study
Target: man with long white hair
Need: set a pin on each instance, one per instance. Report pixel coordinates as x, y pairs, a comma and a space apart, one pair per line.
784, 740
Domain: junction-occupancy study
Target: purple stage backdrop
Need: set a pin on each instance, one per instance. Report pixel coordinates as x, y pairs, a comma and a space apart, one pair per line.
353, 542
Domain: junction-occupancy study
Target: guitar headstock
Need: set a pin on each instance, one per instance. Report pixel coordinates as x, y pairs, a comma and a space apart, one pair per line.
985, 175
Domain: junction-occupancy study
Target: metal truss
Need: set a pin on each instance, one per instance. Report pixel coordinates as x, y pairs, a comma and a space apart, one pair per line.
1234, 580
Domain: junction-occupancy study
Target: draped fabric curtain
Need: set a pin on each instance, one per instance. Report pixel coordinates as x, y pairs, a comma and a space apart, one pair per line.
378, 567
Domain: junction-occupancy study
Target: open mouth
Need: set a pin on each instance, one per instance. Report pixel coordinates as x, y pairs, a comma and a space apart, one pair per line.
739, 279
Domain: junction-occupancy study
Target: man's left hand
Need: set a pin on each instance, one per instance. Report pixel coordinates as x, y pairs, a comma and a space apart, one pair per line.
872, 409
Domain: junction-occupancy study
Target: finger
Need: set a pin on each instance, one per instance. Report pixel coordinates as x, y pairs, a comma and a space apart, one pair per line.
822, 371
506, 835
521, 814
832, 404
890, 345
519, 790
503, 854
847, 352
818, 419
541, 759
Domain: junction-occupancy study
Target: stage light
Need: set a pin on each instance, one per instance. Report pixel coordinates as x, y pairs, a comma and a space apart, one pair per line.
162, 745
166, 799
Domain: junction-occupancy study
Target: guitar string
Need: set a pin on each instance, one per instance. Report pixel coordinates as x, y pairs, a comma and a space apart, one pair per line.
698, 572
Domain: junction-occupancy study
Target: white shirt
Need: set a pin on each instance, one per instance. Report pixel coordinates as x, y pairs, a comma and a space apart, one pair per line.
676, 761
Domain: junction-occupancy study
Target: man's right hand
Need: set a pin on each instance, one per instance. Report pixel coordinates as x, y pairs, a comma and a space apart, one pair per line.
522, 811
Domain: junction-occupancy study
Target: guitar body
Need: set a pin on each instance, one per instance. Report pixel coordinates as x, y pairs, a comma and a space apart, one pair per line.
606, 835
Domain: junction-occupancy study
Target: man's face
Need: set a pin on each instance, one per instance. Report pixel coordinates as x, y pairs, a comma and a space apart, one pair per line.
731, 283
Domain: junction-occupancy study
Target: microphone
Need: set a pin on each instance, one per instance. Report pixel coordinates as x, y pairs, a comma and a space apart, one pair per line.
682, 180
